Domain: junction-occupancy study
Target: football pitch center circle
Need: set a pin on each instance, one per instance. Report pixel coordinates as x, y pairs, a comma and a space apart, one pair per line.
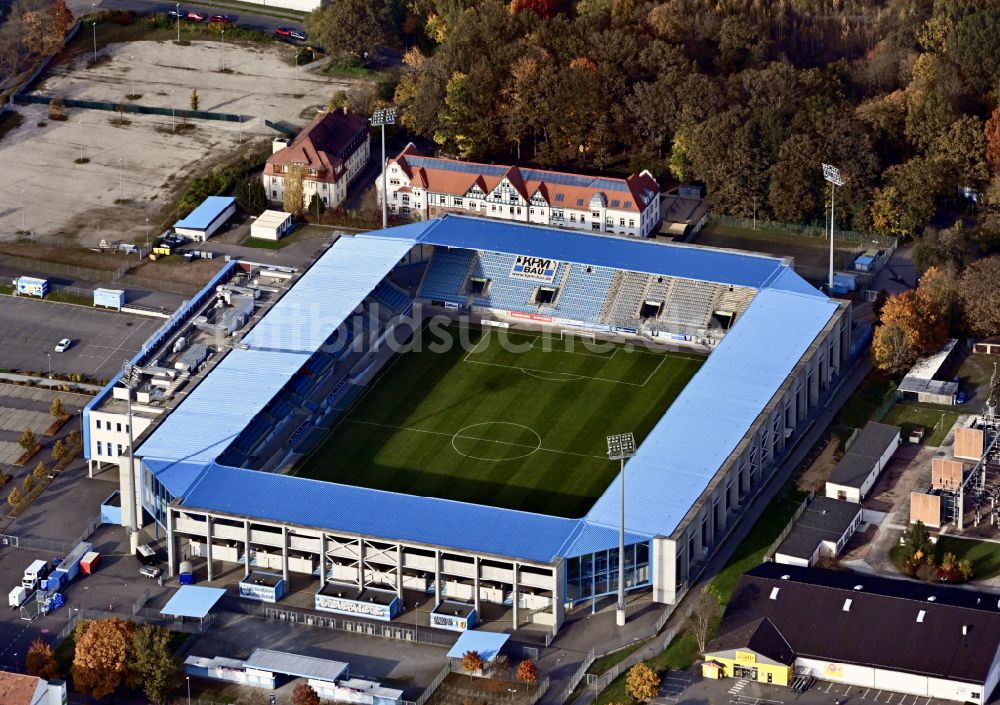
518, 441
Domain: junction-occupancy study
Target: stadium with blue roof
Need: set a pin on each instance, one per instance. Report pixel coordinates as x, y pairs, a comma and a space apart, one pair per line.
212, 474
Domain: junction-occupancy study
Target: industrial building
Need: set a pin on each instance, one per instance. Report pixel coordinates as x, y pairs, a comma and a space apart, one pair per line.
922, 383
895, 635
201, 223
207, 466
864, 461
822, 531
271, 225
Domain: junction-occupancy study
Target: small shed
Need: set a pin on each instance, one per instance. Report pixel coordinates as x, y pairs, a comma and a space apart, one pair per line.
864, 461
823, 530
487, 644
192, 601
208, 217
110, 298
271, 225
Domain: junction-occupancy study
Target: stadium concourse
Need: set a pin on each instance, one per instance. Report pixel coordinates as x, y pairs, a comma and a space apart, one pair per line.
222, 471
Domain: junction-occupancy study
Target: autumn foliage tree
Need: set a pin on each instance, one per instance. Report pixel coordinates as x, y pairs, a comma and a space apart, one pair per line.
294, 198
542, 8
472, 661
152, 667
993, 141
527, 671
915, 322
642, 682
979, 293
100, 661
41, 661
303, 694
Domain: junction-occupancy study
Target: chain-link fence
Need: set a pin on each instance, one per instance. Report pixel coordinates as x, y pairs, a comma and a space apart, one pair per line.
68, 270
41, 99
816, 231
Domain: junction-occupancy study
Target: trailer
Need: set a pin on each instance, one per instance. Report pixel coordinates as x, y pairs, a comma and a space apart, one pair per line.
69, 567
17, 596
32, 286
34, 574
88, 564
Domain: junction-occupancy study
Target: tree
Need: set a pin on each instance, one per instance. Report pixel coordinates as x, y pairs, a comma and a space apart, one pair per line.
891, 349
100, 661
703, 614
74, 441
304, 695
472, 661
353, 29
251, 195
14, 498
41, 661
152, 666
937, 299
992, 134
979, 294
642, 682
56, 409
294, 191
62, 19
41, 472
59, 452
194, 99
28, 440
962, 150
316, 205
29, 482
527, 671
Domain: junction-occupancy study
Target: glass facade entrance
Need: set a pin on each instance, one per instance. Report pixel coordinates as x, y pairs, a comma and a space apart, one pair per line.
596, 574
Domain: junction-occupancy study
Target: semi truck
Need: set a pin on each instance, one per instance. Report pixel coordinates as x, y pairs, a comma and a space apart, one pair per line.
34, 574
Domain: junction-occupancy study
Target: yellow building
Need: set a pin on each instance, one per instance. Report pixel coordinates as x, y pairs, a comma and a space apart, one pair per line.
756, 652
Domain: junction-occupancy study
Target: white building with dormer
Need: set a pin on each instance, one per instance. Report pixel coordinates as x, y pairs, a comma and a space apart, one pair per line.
422, 187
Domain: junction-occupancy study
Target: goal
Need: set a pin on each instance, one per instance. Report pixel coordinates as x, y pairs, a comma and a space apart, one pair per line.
577, 335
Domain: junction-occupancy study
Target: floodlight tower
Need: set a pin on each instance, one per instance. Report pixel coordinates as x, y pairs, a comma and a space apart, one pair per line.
130, 380
620, 447
832, 174
380, 118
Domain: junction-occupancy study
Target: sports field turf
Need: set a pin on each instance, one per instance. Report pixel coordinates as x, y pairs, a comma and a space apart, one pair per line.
512, 425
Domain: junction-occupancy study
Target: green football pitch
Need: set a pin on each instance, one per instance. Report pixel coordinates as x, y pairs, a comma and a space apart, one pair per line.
511, 420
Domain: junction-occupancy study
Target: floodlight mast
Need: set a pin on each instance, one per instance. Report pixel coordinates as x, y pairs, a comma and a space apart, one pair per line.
130, 378
380, 118
833, 175
620, 447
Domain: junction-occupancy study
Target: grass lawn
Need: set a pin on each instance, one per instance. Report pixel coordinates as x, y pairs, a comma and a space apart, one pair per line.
985, 555
303, 232
908, 416
679, 656
604, 663
520, 425
873, 391
810, 252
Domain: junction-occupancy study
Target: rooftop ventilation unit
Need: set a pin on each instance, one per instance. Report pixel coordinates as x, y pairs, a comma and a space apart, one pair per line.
774, 593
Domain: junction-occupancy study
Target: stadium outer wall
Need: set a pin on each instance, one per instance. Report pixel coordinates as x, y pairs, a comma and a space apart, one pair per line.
533, 592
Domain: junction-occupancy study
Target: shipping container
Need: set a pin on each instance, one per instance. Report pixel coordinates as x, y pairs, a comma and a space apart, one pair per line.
89, 562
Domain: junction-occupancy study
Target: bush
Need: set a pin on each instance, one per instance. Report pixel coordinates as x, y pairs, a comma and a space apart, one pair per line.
642, 682
41, 472
57, 408
29, 482
14, 498
527, 671
472, 661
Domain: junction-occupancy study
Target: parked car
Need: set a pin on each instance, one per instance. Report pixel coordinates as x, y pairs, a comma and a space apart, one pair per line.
297, 34
961, 397
220, 19
196, 16
283, 31
63, 345
175, 13
150, 571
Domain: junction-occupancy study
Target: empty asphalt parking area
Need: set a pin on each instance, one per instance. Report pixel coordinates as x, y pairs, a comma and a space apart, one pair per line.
102, 340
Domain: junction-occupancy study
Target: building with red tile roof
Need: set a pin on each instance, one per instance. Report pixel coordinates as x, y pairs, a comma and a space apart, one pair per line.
19, 689
332, 150
423, 187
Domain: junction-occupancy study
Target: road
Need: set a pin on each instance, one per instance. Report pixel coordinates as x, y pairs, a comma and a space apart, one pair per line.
244, 19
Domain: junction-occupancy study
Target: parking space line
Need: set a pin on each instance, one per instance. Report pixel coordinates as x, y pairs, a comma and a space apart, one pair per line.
865, 695
889, 700
848, 690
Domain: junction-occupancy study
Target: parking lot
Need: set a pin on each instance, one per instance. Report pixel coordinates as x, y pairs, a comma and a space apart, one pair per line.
102, 340
134, 170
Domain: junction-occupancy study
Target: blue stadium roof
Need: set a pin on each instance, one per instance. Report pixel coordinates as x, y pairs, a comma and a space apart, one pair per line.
389, 515
206, 213
672, 468
683, 452
684, 261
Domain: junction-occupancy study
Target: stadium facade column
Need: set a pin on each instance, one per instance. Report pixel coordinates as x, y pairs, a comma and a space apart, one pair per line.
514, 595
475, 586
322, 560
361, 564
246, 548
558, 595
399, 571
437, 577
208, 545
171, 544
284, 553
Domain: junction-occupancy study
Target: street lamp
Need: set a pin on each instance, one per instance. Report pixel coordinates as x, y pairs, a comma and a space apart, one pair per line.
94, 25
131, 73
832, 174
130, 378
189, 688
620, 447
223, 50
147, 234
121, 182
178, 23
50, 364
380, 118
173, 120
23, 228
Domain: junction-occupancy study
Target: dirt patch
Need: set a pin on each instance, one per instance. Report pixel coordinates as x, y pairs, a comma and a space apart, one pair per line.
175, 269
71, 256
815, 476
